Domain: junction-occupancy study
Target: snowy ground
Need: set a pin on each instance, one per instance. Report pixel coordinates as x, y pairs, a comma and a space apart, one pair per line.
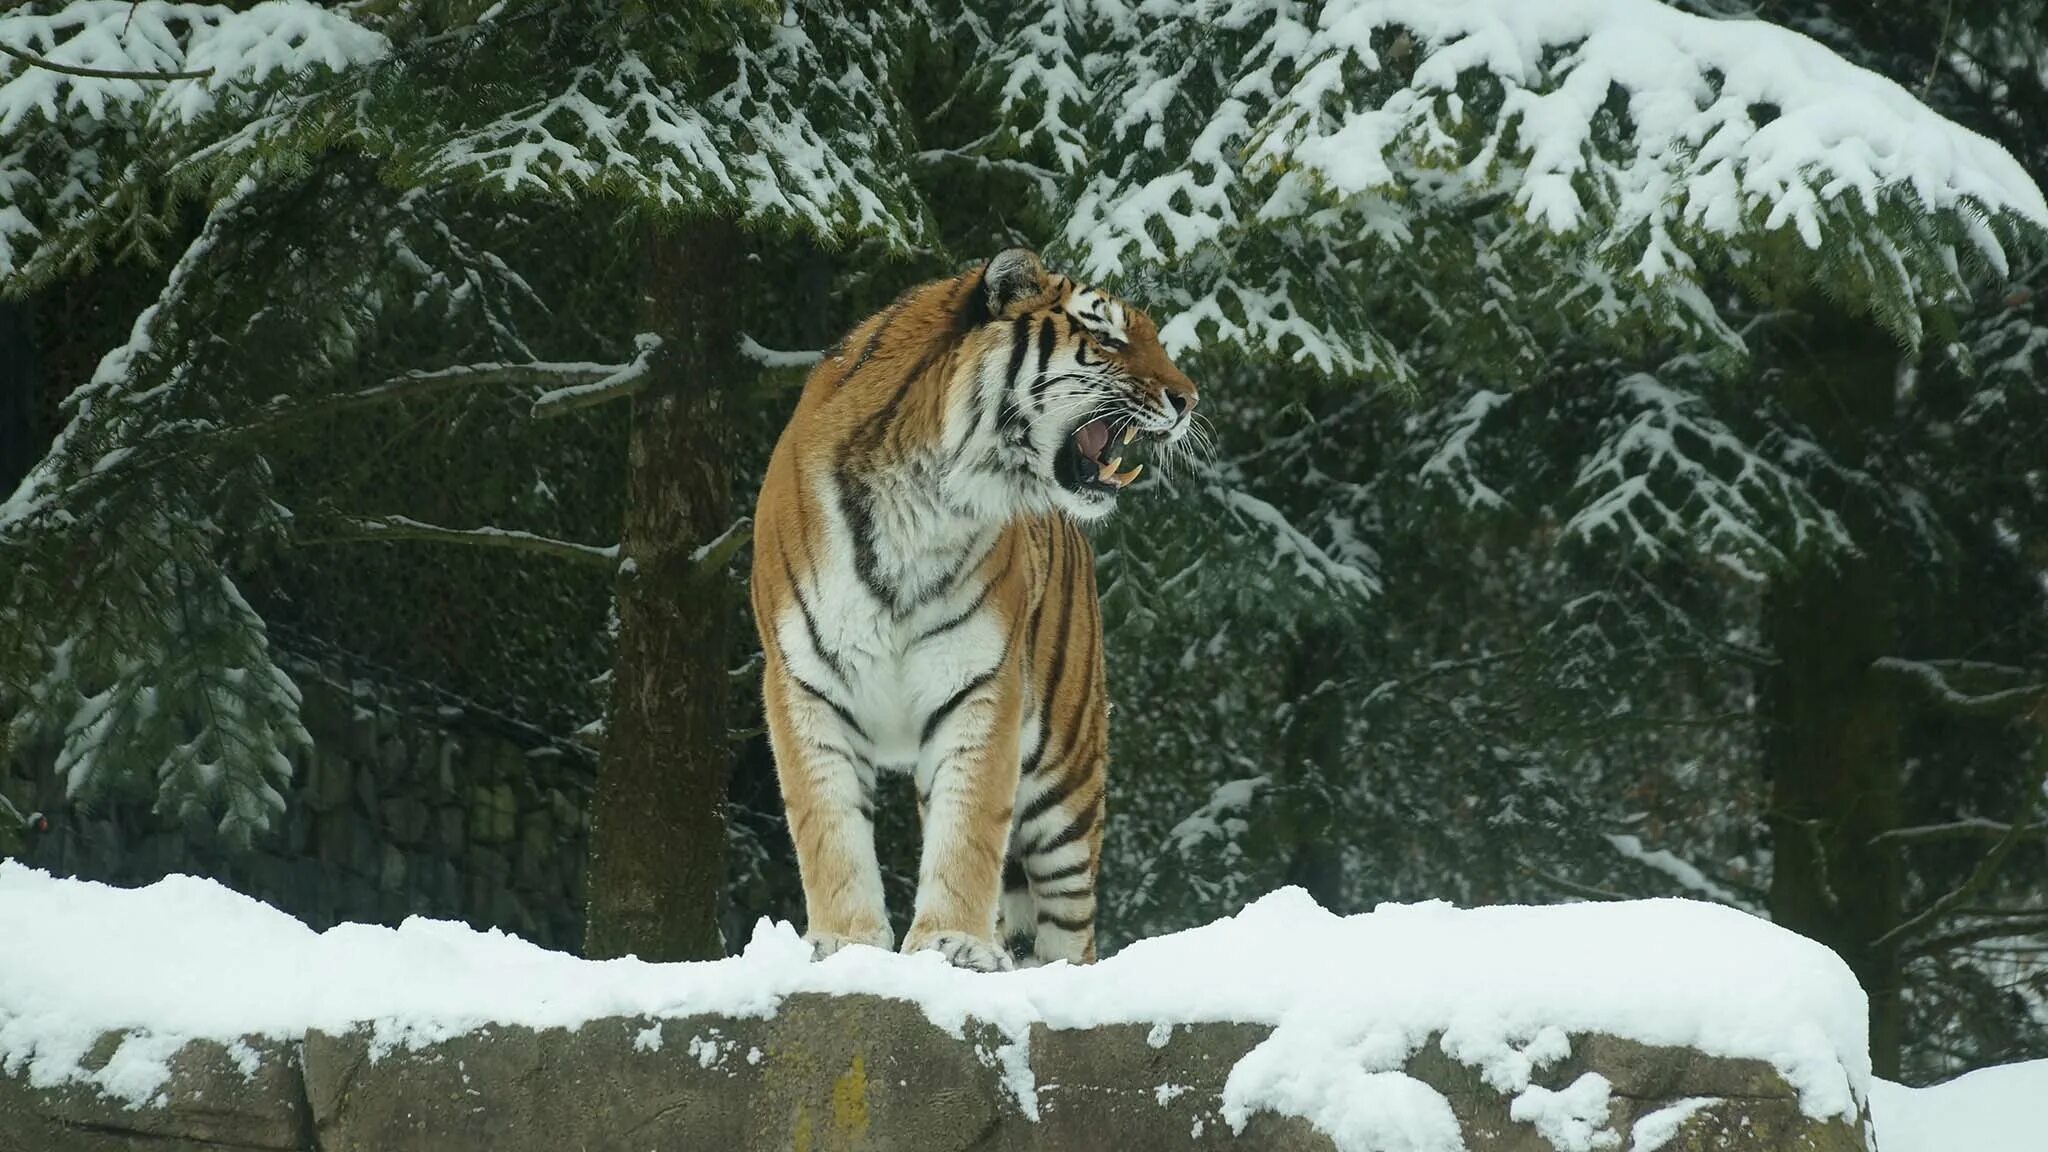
1351, 998
1990, 1110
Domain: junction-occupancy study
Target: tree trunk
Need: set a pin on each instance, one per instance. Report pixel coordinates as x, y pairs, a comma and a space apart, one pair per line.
20, 447
1832, 727
1832, 745
657, 843
1311, 757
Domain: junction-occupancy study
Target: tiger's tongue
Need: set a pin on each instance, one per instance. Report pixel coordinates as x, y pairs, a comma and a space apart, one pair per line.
1091, 438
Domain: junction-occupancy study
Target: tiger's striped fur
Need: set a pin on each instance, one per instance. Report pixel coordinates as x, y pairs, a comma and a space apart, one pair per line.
927, 603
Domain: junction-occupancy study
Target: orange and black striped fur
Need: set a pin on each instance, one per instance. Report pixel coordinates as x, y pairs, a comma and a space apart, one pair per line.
927, 602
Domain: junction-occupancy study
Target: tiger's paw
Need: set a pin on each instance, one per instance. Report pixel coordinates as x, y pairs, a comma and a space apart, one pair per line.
960, 950
824, 944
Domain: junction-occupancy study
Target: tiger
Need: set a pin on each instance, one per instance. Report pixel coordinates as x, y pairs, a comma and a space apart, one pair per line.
926, 603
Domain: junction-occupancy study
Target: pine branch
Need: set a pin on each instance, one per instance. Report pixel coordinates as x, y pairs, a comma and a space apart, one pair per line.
406, 528
35, 61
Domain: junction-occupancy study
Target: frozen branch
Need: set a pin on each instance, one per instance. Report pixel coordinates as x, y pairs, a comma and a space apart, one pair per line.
562, 375
1683, 874
613, 382
1976, 828
1933, 676
406, 528
775, 358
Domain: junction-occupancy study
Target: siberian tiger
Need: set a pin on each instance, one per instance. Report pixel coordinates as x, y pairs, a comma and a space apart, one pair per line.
926, 602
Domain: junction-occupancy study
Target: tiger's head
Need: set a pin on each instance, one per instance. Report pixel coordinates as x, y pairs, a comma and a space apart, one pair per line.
1080, 387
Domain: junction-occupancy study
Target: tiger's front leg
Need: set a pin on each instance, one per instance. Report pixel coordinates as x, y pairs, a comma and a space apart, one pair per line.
828, 790
967, 787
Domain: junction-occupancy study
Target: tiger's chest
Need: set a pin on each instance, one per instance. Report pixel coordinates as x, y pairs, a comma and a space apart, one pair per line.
901, 616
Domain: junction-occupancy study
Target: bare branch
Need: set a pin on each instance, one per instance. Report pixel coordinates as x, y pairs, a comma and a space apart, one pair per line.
717, 552
1933, 675
428, 382
1978, 933
1976, 828
1572, 887
1987, 867
35, 61
406, 528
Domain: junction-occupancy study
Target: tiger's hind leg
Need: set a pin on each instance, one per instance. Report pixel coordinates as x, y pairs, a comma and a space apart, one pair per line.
1059, 836
1017, 915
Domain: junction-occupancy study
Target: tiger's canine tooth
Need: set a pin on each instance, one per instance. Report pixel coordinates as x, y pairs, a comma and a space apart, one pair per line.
1126, 477
1130, 433
1108, 471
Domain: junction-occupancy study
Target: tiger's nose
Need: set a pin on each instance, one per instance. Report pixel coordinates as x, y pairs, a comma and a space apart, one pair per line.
1181, 402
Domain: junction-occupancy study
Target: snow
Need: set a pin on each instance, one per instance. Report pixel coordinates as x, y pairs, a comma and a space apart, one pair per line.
2003, 1109
1573, 1118
1658, 1128
1351, 998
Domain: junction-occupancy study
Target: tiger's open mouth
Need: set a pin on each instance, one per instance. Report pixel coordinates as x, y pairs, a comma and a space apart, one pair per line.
1095, 455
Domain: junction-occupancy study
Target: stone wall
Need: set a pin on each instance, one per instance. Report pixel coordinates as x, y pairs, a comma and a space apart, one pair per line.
402, 808
846, 1074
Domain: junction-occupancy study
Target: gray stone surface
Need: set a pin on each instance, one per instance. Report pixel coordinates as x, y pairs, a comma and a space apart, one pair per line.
823, 1073
210, 1103
833, 1074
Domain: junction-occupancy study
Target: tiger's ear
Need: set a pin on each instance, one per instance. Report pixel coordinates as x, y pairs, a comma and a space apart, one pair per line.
1011, 277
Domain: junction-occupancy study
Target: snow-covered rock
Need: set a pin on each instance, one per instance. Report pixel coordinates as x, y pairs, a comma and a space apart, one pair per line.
1627, 1026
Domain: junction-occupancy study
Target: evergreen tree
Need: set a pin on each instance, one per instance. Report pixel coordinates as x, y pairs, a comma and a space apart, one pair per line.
1647, 272
1595, 387
346, 164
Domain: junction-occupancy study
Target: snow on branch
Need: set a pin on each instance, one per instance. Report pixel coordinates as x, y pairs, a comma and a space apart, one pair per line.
1311, 562
1727, 118
1685, 875
406, 528
1976, 828
432, 381
1667, 470
714, 554
35, 61
599, 383
1934, 677
805, 130
1636, 146
776, 358
103, 56
1452, 463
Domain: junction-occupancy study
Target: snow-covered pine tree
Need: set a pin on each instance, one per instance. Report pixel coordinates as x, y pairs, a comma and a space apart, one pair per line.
346, 162
1591, 235
1464, 202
